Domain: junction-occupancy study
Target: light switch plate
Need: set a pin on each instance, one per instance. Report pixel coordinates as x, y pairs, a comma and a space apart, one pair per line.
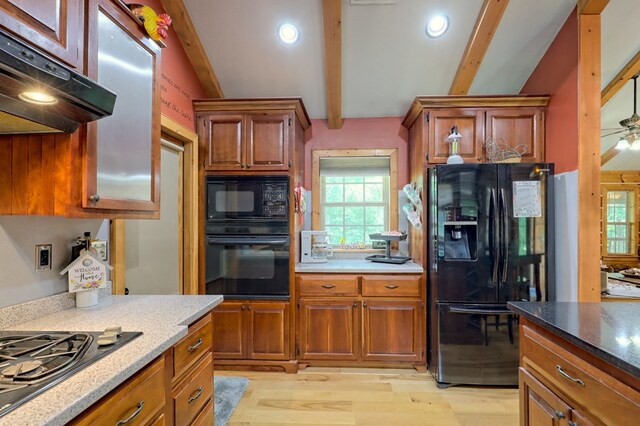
43, 257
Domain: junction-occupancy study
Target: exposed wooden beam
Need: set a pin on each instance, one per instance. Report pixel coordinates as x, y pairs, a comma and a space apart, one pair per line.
486, 25
589, 148
591, 7
193, 47
629, 70
332, 22
608, 155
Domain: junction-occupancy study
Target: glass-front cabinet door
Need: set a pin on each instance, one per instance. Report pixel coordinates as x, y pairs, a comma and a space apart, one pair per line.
122, 168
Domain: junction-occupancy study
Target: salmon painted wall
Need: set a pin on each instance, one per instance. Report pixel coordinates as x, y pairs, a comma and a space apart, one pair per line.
178, 81
363, 133
557, 75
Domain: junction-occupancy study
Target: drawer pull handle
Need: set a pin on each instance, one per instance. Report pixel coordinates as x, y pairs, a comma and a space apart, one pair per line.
133, 415
391, 287
195, 345
195, 395
559, 414
327, 286
566, 376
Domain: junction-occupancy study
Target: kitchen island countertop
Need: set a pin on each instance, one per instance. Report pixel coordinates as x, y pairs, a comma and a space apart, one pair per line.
607, 330
359, 266
163, 320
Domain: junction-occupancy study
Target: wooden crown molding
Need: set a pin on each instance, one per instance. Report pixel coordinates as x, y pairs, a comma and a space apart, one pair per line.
591, 7
497, 101
488, 19
253, 104
193, 47
332, 22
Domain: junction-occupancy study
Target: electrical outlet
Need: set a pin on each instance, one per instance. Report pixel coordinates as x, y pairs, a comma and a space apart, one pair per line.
43, 257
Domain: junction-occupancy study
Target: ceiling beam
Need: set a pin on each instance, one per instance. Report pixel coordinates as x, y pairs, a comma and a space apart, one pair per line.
332, 22
591, 7
193, 47
629, 70
481, 36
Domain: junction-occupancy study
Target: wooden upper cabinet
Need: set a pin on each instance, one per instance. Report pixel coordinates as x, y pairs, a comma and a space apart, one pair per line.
224, 142
470, 125
250, 135
55, 27
122, 161
268, 141
518, 126
512, 120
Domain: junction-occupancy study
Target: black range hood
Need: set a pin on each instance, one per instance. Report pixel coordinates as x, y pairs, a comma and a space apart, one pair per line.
23, 69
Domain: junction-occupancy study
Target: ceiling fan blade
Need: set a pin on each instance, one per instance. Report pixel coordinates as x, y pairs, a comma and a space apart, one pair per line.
611, 129
613, 133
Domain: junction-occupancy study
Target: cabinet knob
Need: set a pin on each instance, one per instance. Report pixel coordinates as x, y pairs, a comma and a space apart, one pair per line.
364, 304
559, 414
94, 198
249, 308
355, 304
242, 308
243, 165
248, 166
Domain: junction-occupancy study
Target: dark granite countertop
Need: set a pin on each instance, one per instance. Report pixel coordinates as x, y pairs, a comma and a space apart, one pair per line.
610, 331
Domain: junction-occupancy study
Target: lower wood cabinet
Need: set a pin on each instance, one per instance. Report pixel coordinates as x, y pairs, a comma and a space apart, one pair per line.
251, 330
563, 385
360, 318
138, 401
175, 389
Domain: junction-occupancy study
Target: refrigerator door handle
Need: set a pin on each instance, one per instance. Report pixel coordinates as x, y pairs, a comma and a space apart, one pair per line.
505, 235
473, 311
495, 234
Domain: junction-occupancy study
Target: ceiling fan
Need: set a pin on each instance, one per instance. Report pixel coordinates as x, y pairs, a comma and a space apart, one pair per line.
631, 125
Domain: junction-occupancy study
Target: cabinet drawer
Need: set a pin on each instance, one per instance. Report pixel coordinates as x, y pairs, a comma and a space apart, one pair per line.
205, 418
190, 349
390, 285
141, 398
328, 285
194, 392
607, 399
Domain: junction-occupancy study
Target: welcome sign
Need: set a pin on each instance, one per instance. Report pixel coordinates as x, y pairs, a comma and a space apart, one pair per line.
87, 272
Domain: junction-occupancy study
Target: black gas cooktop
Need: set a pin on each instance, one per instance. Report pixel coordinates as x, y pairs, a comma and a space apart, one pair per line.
32, 362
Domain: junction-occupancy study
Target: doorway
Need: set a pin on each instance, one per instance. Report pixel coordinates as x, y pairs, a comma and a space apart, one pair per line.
153, 248
179, 152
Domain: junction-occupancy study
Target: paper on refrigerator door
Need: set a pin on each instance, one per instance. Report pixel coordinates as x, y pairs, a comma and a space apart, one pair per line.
527, 199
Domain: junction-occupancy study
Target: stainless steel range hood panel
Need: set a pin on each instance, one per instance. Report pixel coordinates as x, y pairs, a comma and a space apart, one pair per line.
22, 68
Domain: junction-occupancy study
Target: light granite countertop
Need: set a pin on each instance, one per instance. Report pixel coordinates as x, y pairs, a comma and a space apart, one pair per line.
163, 320
359, 266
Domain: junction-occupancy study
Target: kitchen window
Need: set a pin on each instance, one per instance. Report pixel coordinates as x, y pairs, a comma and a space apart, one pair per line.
356, 194
619, 224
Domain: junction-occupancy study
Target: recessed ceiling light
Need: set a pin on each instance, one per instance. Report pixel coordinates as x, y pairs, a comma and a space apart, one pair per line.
288, 33
39, 98
437, 26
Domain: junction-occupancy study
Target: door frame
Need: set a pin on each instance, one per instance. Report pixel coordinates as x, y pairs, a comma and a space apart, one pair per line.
190, 236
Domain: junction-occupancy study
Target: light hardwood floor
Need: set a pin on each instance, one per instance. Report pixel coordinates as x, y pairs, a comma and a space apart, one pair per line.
358, 396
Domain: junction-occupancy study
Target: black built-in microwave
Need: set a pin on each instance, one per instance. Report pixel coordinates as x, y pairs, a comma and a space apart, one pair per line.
247, 198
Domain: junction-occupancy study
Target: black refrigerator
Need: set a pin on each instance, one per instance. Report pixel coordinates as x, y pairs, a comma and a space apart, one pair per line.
490, 229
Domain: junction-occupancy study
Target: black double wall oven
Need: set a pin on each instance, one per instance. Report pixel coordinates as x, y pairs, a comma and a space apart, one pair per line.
247, 237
